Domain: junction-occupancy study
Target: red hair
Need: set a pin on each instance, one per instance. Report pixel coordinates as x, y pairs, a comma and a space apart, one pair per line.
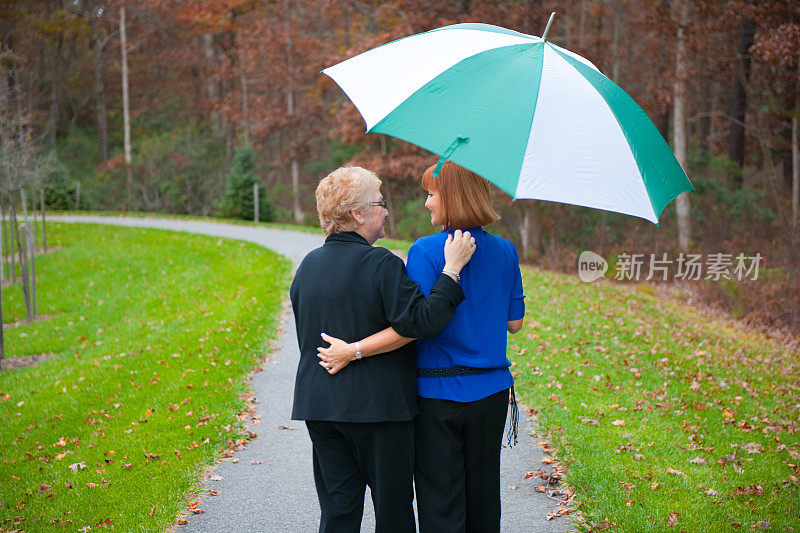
465, 196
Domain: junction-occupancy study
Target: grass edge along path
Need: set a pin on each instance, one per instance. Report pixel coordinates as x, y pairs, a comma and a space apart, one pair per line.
153, 333
659, 416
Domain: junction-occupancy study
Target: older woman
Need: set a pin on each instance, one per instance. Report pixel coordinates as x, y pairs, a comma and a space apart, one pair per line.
463, 376
361, 420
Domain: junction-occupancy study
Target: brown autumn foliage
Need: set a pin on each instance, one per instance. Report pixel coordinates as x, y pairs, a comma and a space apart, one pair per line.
251, 69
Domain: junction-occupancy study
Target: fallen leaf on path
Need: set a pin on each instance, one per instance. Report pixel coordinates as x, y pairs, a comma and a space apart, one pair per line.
215, 477
286, 427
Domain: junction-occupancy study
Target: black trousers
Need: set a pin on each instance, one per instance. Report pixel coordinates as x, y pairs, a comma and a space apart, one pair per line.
457, 474
348, 456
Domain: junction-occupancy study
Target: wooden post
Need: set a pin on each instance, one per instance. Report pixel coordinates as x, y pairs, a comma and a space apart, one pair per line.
33, 270
44, 225
77, 196
255, 202
2, 340
2, 247
11, 245
23, 271
35, 223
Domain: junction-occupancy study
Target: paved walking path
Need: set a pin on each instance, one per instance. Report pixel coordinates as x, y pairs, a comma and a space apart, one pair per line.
277, 495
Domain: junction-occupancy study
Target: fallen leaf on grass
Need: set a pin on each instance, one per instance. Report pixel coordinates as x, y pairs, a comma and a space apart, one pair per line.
152, 511
751, 447
673, 471
618, 423
78, 466
627, 486
654, 485
673, 519
698, 461
711, 492
754, 489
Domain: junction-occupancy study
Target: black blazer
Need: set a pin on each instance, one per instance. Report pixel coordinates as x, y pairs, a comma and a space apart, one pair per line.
350, 290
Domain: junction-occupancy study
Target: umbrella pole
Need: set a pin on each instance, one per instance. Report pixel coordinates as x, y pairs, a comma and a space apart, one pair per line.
547, 28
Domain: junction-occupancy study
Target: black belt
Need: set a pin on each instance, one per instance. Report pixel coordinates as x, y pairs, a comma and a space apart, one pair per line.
450, 371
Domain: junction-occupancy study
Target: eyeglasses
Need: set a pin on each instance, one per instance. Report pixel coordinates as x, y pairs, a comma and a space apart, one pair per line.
382, 204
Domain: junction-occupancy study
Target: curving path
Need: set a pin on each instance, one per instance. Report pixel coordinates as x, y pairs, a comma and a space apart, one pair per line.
277, 494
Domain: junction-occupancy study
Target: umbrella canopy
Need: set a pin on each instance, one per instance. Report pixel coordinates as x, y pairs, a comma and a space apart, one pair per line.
533, 118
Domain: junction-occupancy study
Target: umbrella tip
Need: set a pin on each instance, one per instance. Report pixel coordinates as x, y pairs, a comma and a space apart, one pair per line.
547, 28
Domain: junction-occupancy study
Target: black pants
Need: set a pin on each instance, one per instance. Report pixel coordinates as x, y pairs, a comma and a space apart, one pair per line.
457, 474
348, 456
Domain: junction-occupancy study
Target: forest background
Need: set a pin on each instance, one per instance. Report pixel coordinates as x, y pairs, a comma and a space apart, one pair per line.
223, 90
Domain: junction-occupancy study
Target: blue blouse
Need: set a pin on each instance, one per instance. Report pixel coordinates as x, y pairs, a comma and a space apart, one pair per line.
476, 336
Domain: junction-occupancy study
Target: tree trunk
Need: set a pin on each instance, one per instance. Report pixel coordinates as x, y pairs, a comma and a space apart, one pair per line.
704, 123
298, 213
52, 122
615, 69
790, 88
524, 232
212, 89
125, 106
680, 141
99, 91
738, 109
795, 182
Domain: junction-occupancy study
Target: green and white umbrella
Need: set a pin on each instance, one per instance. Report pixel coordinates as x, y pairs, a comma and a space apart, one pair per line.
533, 118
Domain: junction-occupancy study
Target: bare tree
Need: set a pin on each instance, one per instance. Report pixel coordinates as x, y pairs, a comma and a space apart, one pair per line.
680, 143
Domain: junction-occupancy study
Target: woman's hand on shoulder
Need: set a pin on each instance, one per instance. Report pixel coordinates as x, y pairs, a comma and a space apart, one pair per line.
336, 356
458, 250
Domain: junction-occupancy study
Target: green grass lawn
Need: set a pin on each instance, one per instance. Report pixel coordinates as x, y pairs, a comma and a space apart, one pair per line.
655, 409
152, 334
659, 414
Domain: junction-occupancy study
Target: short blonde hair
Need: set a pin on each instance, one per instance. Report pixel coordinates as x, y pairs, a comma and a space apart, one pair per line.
341, 191
466, 198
